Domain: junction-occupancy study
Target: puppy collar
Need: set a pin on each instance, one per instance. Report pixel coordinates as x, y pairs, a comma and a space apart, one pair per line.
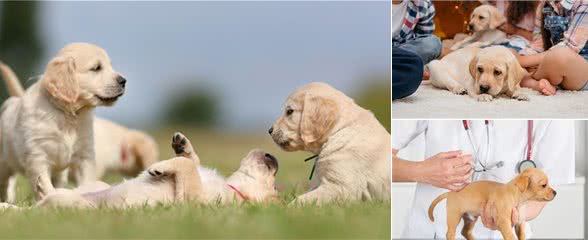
245, 198
315, 157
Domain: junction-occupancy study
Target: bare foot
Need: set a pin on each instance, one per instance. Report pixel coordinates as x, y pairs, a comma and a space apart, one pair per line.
546, 88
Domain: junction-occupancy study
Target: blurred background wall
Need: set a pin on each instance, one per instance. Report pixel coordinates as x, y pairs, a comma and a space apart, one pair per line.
220, 65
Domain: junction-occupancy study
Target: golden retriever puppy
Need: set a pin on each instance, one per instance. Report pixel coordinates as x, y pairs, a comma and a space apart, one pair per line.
118, 149
178, 179
484, 23
352, 147
531, 185
49, 128
482, 73
122, 150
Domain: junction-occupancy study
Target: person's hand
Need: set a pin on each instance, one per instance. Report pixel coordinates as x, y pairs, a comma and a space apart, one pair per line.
449, 170
488, 214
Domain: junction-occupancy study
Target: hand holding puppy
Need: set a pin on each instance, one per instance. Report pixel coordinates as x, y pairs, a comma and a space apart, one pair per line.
489, 215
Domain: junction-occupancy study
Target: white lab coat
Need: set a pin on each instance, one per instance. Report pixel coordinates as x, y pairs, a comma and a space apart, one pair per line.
553, 150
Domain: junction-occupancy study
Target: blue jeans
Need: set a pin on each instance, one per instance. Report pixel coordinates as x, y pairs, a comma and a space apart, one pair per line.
428, 48
407, 72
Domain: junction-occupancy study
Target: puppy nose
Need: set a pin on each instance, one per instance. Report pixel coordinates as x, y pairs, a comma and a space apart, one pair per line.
470, 26
554, 193
484, 88
121, 81
271, 130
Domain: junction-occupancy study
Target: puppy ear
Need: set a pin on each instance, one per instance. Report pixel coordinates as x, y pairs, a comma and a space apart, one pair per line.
60, 81
522, 182
496, 18
318, 118
473, 64
515, 73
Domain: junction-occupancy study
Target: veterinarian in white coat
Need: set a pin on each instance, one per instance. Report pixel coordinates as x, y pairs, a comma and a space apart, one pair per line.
496, 146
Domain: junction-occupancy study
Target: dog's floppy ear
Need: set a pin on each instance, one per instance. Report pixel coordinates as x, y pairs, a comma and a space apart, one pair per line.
496, 18
522, 182
60, 81
318, 118
515, 73
473, 64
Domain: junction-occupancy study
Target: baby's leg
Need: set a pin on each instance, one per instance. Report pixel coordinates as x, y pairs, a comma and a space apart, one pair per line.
543, 85
564, 67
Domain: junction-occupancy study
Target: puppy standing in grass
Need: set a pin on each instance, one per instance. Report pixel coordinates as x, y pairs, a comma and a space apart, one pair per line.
49, 128
531, 185
352, 147
118, 149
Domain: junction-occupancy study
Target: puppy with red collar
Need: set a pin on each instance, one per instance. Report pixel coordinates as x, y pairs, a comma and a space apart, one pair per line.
177, 180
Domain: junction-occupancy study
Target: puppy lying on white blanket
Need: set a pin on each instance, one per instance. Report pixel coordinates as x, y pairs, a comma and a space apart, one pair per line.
482, 73
177, 180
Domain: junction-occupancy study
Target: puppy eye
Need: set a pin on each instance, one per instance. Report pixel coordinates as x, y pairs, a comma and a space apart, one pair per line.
96, 68
481, 18
496, 72
289, 112
480, 69
544, 185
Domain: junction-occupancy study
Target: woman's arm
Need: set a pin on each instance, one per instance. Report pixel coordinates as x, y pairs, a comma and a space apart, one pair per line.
512, 29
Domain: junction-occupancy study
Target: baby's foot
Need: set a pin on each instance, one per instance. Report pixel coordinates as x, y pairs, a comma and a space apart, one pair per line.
546, 88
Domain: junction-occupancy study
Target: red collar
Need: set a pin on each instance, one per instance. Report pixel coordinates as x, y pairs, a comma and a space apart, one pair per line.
238, 192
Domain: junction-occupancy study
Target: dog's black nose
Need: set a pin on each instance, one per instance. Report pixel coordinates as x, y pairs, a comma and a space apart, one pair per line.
554, 193
470, 27
484, 88
271, 130
121, 80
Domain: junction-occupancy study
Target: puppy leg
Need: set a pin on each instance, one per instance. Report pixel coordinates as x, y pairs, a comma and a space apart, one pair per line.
182, 146
5, 189
185, 174
41, 181
520, 230
505, 226
482, 97
444, 78
468, 226
453, 218
519, 96
322, 194
59, 179
459, 45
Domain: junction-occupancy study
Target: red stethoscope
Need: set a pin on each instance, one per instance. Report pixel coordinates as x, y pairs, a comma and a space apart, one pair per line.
521, 166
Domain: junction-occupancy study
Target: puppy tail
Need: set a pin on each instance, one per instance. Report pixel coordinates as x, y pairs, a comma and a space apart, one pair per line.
13, 85
434, 203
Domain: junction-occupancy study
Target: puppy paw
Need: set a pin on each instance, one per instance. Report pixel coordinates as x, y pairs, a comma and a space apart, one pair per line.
459, 91
520, 97
161, 169
484, 98
179, 143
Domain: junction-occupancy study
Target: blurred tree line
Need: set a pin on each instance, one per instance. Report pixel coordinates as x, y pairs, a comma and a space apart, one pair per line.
20, 40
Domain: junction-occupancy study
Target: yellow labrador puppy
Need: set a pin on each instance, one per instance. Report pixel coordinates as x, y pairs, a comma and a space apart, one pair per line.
484, 23
49, 128
118, 149
178, 179
482, 73
352, 147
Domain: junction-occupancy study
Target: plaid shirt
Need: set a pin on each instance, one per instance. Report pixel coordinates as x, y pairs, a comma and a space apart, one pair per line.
418, 21
576, 35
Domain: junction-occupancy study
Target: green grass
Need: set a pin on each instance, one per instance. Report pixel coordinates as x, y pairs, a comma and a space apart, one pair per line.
363, 220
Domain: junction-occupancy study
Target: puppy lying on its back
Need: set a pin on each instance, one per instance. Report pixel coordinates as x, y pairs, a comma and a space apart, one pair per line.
177, 180
352, 147
482, 73
530, 185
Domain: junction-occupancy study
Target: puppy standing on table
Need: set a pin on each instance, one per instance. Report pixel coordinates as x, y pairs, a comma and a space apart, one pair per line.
352, 147
49, 128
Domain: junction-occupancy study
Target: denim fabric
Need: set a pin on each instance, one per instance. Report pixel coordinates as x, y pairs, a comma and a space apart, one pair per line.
407, 73
427, 48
